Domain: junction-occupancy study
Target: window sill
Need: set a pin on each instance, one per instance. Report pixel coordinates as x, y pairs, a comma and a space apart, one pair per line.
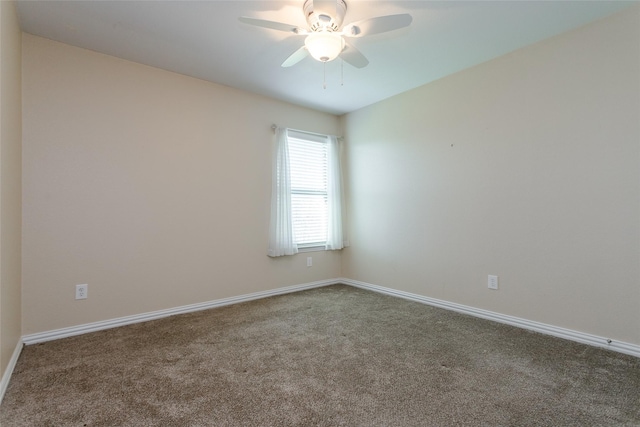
311, 249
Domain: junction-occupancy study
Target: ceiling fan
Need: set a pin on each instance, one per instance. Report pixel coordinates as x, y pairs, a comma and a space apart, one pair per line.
326, 38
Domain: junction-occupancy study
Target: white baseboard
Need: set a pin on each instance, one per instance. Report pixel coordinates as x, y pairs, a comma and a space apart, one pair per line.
144, 317
4, 383
581, 337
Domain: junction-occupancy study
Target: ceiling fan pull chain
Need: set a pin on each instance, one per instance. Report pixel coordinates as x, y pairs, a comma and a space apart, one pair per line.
341, 72
324, 75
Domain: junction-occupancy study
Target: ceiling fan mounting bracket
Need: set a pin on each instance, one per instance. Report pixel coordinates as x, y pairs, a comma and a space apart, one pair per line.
324, 20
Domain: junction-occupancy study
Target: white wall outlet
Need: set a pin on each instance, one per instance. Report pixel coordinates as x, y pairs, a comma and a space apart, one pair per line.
493, 282
81, 291
309, 261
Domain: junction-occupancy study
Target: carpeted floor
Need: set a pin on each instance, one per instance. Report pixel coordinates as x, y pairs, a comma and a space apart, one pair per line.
333, 356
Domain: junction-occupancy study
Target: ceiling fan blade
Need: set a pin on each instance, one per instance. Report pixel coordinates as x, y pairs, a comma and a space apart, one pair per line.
295, 57
353, 56
378, 25
272, 25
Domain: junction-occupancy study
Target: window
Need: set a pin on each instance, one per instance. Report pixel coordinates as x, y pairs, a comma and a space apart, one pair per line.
308, 168
306, 193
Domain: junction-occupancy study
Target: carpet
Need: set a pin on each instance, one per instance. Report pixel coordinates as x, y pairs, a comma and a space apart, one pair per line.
331, 356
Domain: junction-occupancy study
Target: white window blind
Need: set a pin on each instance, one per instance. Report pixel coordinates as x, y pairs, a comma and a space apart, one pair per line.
308, 167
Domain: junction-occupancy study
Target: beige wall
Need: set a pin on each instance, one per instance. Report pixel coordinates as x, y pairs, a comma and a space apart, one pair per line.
150, 186
528, 167
153, 187
10, 181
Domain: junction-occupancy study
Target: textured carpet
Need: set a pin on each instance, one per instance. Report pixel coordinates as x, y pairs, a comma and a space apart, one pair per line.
333, 356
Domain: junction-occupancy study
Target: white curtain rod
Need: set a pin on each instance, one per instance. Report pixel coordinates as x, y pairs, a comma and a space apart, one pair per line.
274, 127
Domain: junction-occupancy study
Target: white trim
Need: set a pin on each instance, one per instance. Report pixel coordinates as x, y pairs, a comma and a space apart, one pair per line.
144, 317
6, 377
581, 337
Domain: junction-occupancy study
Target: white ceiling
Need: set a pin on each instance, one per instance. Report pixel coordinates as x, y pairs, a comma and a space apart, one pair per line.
204, 39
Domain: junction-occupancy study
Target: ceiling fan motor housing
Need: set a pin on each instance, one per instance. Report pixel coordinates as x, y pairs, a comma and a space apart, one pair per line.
324, 15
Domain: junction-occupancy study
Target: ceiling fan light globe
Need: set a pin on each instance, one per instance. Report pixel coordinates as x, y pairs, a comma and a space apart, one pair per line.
324, 46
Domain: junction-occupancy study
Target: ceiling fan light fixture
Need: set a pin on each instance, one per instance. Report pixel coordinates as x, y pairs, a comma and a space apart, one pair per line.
324, 46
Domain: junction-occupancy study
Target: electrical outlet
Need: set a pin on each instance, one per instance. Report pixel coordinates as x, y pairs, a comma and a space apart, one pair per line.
493, 282
82, 291
309, 261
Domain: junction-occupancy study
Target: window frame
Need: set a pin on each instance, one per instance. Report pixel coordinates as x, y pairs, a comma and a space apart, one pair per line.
312, 138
